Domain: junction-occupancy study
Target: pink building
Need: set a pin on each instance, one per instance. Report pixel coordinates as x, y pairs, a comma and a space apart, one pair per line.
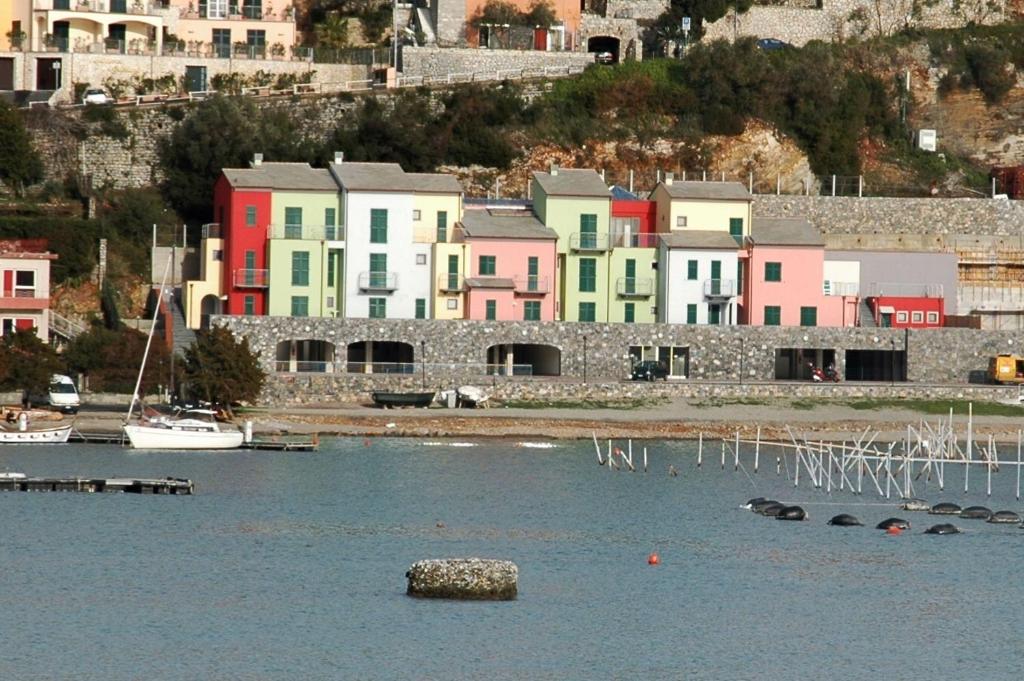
785, 278
25, 297
512, 267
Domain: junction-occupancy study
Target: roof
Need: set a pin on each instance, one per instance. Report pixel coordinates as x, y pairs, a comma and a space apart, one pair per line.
490, 224
480, 202
372, 177
785, 232
699, 238
623, 194
489, 282
298, 176
435, 182
572, 182
712, 191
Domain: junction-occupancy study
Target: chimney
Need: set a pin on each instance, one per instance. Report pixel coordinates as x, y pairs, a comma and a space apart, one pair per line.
554, 169
339, 157
257, 160
668, 179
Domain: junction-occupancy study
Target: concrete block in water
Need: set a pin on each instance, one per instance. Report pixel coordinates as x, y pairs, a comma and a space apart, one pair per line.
464, 579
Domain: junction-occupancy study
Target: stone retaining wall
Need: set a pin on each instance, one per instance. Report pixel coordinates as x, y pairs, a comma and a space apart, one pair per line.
442, 61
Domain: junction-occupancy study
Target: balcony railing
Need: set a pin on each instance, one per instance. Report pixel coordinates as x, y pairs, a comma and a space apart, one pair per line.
719, 288
378, 281
450, 283
841, 288
308, 232
26, 293
101, 6
641, 287
211, 230
588, 241
907, 290
624, 240
531, 284
246, 278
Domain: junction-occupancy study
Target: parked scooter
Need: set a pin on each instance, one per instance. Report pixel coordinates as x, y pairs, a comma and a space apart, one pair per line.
829, 374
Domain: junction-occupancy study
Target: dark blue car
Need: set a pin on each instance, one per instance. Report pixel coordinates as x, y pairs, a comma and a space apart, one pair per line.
772, 44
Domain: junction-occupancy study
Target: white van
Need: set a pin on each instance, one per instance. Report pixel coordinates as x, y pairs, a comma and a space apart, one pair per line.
63, 394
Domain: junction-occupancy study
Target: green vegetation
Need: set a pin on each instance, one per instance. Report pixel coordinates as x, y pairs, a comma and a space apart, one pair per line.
222, 369
109, 359
26, 363
940, 407
20, 165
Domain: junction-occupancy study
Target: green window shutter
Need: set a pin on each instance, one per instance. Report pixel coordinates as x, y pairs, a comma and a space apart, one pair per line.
739, 277
250, 260
773, 271
292, 223
378, 269
629, 315
300, 268
588, 312
487, 265
808, 316
532, 269
300, 306
588, 231
736, 229
330, 268
421, 308
531, 311
378, 308
691, 270
329, 222
442, 226
250, 305
588, 275
491, 309
250, 216
378, 226
691, 313
772, 315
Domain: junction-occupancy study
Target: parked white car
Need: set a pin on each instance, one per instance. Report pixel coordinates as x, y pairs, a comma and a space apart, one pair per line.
96, 96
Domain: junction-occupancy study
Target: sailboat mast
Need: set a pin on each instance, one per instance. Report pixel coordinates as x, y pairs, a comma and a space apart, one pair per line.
149, 341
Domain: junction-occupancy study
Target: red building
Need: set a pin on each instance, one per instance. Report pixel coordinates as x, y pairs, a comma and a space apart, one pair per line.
908, 312
242, 208
632, 215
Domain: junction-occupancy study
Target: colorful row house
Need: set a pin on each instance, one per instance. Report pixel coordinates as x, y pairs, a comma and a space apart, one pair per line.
25, 296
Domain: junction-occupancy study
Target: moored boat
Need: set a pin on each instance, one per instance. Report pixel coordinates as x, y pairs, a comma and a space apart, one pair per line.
192, 429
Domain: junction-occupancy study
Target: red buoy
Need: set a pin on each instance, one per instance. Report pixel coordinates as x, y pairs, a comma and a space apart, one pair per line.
653, 559
893, 530
366, 442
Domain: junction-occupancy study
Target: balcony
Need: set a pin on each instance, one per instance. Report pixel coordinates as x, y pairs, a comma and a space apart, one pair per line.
211, 230
25, 299
378, 281
719, 288
588, 241
137, 7
531, 284
245, 278
634, 287
904, 290
450, 283
307, 232
624, 240
841, 288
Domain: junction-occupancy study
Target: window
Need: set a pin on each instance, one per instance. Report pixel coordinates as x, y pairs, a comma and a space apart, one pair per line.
629, 314
588, 230
221, 42
300, 306
680, 221
588, 275
453, 273
691, 270
330, 302
442, 226
531, 311
378, 308
421, 308
24, 279
808, 316
300, 268
453, 303
251, 9
329, 214
292, 223
487, 266
916, 317
491, 309
772, 315
421, 258
250, 305
330, 267
901, 317
378, 226
773, 271
378, 270
739, 278
218, 255
588, 312
630, 278
691, 313
257, 42
933, 317
532, 268
736, 229
416, 215
250, 216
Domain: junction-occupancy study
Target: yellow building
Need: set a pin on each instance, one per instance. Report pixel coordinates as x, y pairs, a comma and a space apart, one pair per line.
210, 281
704, 206
437, 207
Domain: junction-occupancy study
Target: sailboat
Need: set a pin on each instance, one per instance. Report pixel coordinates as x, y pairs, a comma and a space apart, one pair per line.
190, 429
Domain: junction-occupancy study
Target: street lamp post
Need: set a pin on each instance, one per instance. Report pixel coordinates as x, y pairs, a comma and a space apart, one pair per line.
892, 363
741, 360
584, 359
423, 364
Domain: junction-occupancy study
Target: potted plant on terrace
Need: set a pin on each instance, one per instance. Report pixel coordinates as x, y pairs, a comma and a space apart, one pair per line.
17, 38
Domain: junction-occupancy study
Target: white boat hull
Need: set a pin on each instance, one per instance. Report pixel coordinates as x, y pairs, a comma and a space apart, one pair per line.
39, 436
149, 437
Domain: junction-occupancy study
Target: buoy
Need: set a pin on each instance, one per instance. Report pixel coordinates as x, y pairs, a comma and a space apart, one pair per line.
893, 530
366, 442
653, 559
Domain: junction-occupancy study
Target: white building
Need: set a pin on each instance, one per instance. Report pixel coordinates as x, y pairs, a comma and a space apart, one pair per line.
699, 278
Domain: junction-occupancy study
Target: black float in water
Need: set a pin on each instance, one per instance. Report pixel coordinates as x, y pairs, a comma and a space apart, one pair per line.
772, 510
791, 513
945, 508
845, 520
1004, 517
976, 513
753, 502
943, 528
899, 523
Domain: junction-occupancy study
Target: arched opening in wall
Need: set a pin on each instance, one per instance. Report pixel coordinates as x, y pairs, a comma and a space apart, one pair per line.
209, 306
524, 359
302, 356
605, 49
380, 357
795, 364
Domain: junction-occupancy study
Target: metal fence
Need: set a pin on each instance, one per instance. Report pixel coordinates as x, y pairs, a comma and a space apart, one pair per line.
402, 368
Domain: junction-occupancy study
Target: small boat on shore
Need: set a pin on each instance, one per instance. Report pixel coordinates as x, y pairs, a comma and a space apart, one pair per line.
471, 396
397, 399
21, 430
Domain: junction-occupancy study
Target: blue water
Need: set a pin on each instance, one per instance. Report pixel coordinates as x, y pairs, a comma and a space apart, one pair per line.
292, 566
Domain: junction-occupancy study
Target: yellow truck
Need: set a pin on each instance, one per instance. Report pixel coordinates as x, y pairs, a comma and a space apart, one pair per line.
1006, 369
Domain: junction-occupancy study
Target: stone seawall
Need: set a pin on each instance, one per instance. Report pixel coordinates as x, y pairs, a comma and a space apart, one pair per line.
601, 352
443, 61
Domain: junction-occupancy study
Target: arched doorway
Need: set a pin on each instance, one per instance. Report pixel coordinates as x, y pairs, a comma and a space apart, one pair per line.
605, 49
209, 306
302, 356
524, 359
380, 357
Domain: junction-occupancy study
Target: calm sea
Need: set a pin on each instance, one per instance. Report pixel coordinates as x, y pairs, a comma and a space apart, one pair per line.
292, 566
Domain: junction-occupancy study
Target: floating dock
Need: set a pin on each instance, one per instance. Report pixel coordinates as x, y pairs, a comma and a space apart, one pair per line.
280, 443
92, 485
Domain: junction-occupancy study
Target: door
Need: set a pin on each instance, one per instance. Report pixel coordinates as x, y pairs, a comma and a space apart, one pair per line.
120, 6
48, 74
250, 267
630, 276
378, 270
886, 320
222, 42
532, 269
453, 273
7, 73
116, 35
716, 278
540, 39
714, 314
195, 78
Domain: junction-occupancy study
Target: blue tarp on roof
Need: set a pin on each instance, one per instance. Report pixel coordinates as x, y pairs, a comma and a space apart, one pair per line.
623, 194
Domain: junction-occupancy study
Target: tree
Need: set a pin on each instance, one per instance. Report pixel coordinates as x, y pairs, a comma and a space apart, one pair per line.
222, 369
700, 12
542, 13
397, 135
26, 362
20, 165
110, 359
332, 32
